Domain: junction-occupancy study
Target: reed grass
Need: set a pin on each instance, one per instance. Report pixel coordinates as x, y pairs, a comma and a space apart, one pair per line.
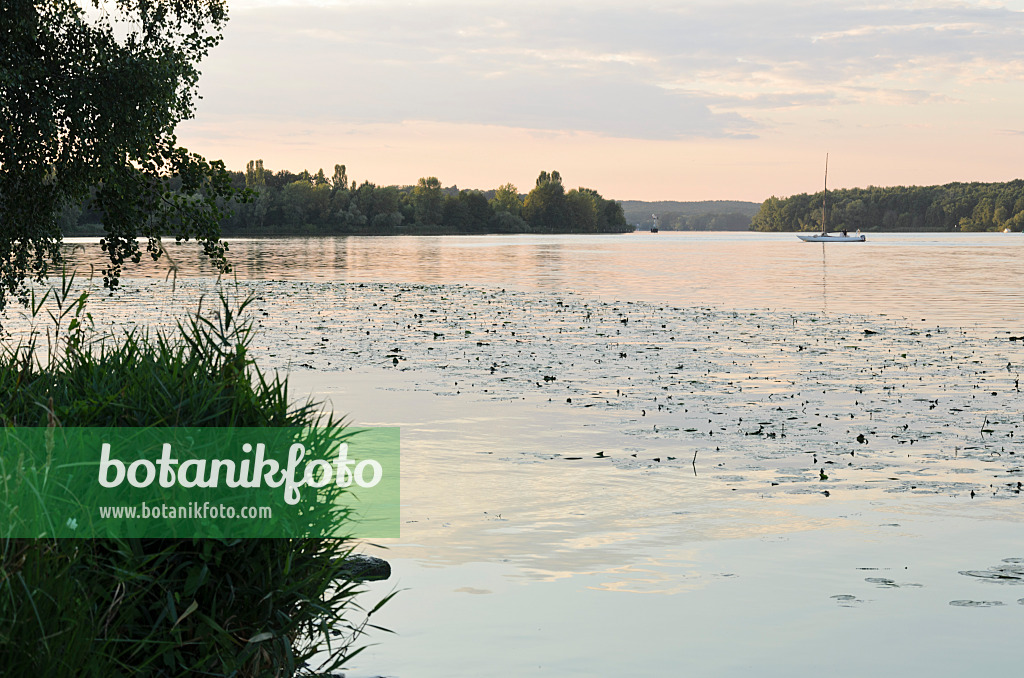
160, 607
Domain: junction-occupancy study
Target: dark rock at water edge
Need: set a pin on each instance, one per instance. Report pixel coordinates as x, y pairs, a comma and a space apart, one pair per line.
361, 567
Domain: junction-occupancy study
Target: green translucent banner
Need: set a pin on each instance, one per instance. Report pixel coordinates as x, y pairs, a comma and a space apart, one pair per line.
199, 482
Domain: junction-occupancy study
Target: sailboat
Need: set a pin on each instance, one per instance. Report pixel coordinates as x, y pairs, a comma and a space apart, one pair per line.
825, 236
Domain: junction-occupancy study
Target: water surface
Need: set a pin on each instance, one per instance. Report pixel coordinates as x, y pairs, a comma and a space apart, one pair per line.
751, 455
949, 278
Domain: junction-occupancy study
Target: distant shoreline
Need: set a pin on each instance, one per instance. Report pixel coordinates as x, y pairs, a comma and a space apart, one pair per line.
663, 231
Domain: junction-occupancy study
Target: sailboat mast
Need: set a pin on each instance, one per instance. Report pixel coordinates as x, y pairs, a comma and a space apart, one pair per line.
824, 198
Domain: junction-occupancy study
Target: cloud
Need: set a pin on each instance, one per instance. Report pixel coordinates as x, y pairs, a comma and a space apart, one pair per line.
663, 70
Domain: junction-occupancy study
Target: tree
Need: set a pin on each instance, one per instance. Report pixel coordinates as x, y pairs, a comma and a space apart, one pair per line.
255, 177
88, 107
455, 214
339, 180
253, 214
769, 217
427, 200
506, 199
306, 205
477, 209
582, 207
614, 219
545, 207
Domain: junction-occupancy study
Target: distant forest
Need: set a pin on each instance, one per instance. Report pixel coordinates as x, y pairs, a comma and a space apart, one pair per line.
284, 203
705, 215
952, 207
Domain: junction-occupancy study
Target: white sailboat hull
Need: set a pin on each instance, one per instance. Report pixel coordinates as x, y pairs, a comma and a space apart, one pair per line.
818, 237
825, 236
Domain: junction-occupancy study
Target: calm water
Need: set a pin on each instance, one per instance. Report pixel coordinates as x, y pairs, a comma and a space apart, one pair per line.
952, 279
688, 495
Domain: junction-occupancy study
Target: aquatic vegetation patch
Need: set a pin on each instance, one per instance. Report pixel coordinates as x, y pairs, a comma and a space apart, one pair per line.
770, 401
1011, 571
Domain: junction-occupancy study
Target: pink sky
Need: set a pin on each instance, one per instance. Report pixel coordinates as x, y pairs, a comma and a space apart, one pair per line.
669, 101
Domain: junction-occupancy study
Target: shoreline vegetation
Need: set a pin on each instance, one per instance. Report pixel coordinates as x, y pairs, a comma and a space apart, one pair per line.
966, 207
702, 215
284, 203
282, 200
136, 606
151, 606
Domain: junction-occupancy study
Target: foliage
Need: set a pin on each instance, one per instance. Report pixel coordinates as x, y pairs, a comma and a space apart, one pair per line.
302, 204
426, 201
89, 99
641, 207
150, 607
704, 215
709, 221
285, 203
545, 206
957, 206
506, 199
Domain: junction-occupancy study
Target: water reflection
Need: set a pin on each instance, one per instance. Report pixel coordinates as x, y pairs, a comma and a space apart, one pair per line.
824, 280
748, 559
952, 279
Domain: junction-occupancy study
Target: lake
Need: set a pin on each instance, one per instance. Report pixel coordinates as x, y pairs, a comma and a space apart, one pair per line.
720, 454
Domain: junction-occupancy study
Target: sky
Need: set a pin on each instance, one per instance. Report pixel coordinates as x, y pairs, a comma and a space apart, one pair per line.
643, 100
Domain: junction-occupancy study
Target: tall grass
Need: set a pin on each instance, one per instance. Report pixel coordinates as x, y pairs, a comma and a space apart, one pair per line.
159, 607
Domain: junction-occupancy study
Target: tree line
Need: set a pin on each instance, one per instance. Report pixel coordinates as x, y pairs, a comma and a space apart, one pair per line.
285, 203
711, 221
951, 207
704, 215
